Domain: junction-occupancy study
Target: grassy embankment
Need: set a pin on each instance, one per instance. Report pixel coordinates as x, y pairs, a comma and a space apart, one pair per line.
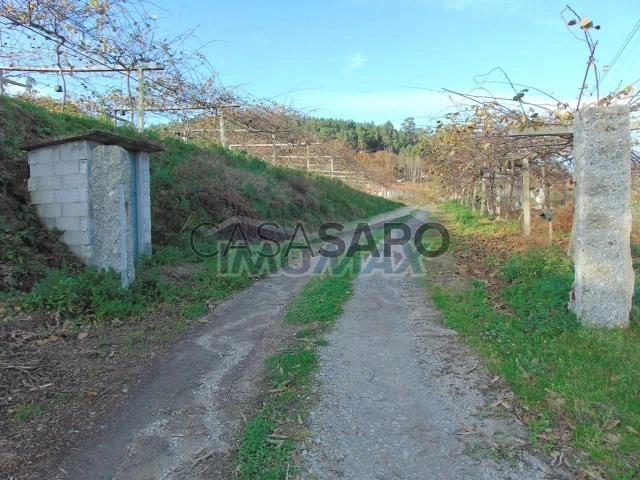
65, 309
578, 388
190, 184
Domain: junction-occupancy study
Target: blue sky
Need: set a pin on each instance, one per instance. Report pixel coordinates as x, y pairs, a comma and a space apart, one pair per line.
377, 60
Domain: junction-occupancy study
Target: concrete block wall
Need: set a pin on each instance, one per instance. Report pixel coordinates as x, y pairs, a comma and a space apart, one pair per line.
84, 189
59, 191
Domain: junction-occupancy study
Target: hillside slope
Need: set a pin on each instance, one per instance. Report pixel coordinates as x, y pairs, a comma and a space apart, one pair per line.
190, 184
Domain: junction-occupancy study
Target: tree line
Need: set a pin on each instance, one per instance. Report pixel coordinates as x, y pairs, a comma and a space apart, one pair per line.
367, 136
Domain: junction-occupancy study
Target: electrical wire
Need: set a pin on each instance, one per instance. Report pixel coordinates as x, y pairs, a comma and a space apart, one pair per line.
622, 48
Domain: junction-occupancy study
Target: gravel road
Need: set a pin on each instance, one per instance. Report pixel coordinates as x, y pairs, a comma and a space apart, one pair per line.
400, 397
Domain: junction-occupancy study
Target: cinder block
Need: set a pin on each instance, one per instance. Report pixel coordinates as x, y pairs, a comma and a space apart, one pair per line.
39, 197
52, 182
78, 150
84, 166
66, 167
85, 224
70, 195
76, 238
73, 181
83, 252
43, 156
77, 209
49, 210
41, 169
32, 184
48, 222
68, 223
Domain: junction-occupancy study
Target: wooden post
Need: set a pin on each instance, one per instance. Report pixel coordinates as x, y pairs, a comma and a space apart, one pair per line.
550, 231
306, 154
275, 148
525, 197
223, 140
140, 99
483, 194
474, 195
331, 167
511, 185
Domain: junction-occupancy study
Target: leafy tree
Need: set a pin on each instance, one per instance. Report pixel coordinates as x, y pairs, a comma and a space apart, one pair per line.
409, 130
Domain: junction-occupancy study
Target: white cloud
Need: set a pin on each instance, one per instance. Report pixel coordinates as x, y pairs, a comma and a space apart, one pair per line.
259, 39
355, 62
490, 7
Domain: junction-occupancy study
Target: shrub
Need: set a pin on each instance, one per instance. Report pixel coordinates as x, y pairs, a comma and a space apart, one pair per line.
94, 293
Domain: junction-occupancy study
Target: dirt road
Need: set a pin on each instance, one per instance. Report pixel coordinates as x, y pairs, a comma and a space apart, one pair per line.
399, 397
402, 398
186, 414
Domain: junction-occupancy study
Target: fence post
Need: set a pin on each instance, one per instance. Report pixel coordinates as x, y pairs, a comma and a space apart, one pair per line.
306, 154
474, 194
604, 277
223, 140
274, 153
483, 194
526, 208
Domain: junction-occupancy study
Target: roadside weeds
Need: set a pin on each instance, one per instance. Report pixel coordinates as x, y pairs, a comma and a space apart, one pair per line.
575, 388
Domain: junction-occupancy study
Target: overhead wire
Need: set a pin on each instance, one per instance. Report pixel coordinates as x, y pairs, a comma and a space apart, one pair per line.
620, 51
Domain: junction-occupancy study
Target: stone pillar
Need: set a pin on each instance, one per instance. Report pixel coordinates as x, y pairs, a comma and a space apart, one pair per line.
526, 198
111, 199
483, 194
604, 277
474, 195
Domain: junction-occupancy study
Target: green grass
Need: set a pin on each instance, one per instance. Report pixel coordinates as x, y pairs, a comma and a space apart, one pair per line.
320, 300
95, 294
467, 220
261, 456
584, 379
266, 443
28, 412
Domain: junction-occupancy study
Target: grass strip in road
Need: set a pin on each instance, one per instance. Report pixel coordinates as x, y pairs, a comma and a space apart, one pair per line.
578, 387
268, 439
266, 444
